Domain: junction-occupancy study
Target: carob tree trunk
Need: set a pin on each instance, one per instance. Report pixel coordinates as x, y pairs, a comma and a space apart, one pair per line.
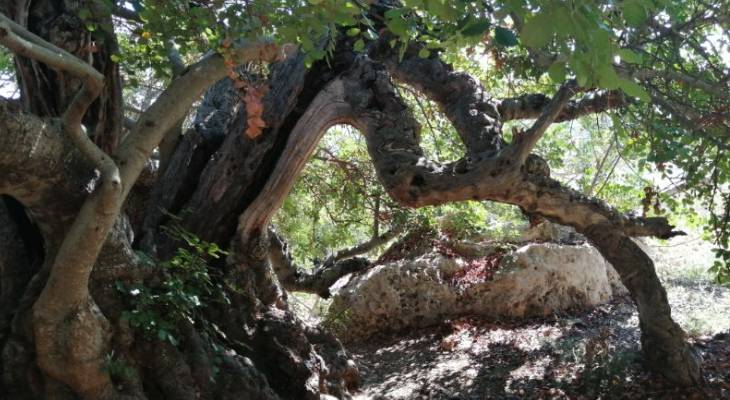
214, 173
225, 187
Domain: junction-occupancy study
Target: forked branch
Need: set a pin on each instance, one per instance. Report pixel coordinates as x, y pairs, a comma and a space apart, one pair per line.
524, 141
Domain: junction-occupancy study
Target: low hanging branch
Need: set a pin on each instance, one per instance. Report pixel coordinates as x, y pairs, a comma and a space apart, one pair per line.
317, 281
414, 181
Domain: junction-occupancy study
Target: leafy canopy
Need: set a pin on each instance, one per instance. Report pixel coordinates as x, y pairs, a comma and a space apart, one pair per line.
670, 57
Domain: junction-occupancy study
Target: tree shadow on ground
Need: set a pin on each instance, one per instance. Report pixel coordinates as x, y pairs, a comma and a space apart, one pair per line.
589, 355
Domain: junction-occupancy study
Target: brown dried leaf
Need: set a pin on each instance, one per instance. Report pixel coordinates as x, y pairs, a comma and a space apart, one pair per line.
254, 110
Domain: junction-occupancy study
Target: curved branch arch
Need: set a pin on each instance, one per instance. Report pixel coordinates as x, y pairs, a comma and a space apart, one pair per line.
365, 98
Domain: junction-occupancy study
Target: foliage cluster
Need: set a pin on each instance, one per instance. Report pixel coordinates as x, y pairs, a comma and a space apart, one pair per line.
669, 57
184, 292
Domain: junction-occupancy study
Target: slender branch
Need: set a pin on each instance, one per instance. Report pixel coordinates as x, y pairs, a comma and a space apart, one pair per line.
366, 246
525, 141
319, 280
716, 89
25, 44
123, 12
33, 38
689, 122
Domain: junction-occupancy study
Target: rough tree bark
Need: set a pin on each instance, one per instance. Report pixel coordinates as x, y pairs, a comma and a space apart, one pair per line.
61, 314
276, 350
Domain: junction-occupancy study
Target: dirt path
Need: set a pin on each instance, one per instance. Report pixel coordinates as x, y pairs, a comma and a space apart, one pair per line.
585, 356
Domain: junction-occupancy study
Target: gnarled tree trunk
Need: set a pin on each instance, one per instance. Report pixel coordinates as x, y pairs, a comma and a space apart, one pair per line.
225, 187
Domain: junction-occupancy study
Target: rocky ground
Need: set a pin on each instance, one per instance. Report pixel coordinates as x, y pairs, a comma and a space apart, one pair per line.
588, 355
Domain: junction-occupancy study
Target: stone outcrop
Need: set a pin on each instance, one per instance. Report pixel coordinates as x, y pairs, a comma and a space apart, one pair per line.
533, 280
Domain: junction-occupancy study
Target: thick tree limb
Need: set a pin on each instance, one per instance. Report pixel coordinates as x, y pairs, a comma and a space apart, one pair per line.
411, 179
319, 280
531, 105
460, 97
327, 109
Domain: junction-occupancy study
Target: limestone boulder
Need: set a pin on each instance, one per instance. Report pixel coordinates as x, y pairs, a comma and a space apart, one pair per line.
533, 280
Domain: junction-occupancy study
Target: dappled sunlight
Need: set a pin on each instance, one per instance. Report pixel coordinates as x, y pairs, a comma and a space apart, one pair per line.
591, 354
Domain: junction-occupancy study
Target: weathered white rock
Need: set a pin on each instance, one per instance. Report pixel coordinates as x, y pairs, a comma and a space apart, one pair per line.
534, 280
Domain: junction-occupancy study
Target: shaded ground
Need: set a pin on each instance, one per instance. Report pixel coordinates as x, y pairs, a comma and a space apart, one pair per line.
588, 355
584, 356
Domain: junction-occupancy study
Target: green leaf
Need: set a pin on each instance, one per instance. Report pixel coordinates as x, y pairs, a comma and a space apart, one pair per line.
424, 53
398, 26
634, 12
475, 28
394, 13
536, 32
359, 45
557, 72
633, 89
561, 21
353, 32
629, 56
441, 9
84, 13
607, 77
505, 37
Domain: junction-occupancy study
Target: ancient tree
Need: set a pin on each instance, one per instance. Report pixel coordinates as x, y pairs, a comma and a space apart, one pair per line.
95, 203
